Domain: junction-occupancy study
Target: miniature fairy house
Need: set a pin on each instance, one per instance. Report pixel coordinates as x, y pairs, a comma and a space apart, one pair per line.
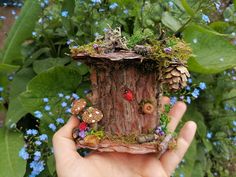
127, 85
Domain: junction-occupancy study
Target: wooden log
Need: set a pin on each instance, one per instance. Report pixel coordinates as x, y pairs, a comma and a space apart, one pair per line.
123, 117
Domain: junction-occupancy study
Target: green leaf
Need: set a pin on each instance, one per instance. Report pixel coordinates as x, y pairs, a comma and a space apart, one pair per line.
20, 31
68, 6
169, 21
8, 68
198, 171
193, 114
213, 53
188, 9
10, 144
49, 84
36, 55
81, 67
18, 85
43, 65
51, 164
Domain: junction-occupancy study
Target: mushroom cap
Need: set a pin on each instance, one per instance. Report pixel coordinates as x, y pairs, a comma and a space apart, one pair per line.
78, 106
92, 115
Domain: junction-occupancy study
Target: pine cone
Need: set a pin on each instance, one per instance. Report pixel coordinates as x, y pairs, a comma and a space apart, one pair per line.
176, 76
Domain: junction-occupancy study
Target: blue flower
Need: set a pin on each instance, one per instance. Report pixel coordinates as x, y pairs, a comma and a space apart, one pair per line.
234, 123
45, 100
10, 77
205, 18
173, 100
195, 40
38, 143
113, 5
209, 135
37, 166
75, 96
2, 18
1, 98
60, 95
52, 127
171, 4
60, 121
47, 108
96, 34
69, 41
188, 88
34, 33
181, 175
42, 5
226, 107
86, 91
67, 97
96, 1
190, 80
64, 13
1, 89
202, 85
46, 1
32, 132
43, 137
234, 109
13, 12
101, 10
126, 11
195, 93
79, 63
37, 155
188, 100
24, 154
68, 110
63, 104
82, 134
38, 114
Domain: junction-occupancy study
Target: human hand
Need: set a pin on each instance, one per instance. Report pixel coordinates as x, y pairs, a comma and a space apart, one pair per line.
97, 164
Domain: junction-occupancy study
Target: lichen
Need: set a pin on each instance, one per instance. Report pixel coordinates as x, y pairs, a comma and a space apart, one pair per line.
88, 49
169, 49
140, 37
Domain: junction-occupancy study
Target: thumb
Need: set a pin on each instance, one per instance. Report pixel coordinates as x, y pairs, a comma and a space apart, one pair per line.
63, 144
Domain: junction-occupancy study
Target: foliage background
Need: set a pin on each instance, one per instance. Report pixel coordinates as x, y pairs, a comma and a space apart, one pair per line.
37, 78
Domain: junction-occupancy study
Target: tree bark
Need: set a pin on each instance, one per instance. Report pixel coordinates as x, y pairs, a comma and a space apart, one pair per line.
123, 117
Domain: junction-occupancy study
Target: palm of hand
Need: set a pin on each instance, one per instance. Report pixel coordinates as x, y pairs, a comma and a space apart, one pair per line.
70, 164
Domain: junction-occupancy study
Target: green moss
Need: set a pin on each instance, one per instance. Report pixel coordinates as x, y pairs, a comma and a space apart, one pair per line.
126, 139
88, 48
179, 50
99, 133
140, 37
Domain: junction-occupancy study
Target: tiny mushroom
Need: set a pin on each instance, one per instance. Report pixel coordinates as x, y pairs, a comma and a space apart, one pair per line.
92, 115
78, 106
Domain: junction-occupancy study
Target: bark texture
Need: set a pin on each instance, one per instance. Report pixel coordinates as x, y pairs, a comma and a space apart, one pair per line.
123, 117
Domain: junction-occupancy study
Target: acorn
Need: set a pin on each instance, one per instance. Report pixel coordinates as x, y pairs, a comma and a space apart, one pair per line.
148, 108
78, 106
91, 140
